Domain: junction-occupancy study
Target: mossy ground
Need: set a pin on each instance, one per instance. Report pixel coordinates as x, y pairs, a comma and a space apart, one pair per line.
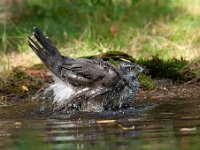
21, 83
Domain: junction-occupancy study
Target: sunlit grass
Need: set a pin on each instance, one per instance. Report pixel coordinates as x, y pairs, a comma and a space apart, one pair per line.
167, 29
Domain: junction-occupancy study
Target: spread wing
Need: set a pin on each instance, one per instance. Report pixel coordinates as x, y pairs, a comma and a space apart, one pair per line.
86, 72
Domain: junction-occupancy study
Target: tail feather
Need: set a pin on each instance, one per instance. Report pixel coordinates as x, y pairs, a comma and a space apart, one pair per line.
40, 52
46, 51
45, 42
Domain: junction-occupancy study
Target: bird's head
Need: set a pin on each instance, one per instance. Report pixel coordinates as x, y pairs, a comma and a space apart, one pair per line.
130, 71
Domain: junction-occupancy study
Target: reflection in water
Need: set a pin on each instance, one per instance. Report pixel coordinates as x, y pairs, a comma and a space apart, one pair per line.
168, 124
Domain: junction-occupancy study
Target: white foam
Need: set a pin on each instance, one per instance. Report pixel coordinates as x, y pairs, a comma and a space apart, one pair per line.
61, 90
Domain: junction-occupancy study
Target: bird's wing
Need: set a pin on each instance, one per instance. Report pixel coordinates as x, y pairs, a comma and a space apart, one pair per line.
86, 72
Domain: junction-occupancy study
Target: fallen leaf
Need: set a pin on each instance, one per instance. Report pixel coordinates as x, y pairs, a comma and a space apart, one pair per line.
126, 128
25, 88
188, 129
105, 121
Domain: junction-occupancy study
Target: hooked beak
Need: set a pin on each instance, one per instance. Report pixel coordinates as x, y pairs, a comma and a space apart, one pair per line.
139, 70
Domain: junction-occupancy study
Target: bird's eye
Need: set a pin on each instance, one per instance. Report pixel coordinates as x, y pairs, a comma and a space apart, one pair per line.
130, 68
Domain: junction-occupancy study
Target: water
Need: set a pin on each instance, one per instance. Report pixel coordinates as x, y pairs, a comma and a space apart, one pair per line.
167, 124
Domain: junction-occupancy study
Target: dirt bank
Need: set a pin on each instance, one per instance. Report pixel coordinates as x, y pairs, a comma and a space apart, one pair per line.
165, 89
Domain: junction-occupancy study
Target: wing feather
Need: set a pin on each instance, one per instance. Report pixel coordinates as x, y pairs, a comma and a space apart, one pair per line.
83, 71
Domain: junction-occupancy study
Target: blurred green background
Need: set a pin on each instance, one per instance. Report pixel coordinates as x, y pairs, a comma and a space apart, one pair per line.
141, 28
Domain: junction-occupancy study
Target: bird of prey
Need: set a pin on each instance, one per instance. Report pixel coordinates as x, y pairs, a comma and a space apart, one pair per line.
82, 84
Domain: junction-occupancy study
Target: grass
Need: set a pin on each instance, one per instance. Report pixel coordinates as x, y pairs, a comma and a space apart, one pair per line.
142, 28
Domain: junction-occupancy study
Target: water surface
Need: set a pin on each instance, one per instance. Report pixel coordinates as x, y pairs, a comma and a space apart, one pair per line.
167, 124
